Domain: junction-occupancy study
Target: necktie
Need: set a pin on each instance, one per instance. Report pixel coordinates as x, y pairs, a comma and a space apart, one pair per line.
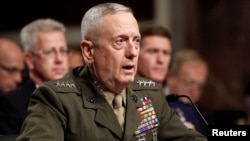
119, 110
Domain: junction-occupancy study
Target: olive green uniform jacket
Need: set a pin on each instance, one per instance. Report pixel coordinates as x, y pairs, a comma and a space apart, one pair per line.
74, 109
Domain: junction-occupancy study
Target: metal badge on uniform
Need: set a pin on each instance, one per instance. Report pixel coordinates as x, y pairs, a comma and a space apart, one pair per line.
98, 86
149, 120
63, 84
145, 83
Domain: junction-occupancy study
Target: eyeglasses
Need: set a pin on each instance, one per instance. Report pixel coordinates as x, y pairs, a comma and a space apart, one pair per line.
192, 85
52, 53
11, 70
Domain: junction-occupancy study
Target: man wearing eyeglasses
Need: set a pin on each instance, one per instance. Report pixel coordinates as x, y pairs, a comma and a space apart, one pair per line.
187, 76
46, 56
11, 65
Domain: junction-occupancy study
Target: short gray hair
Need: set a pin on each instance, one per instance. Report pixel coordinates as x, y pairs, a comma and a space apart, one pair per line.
29, 32
94, 15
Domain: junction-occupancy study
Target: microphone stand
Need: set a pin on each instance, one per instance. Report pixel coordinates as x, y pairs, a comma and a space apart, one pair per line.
174, 97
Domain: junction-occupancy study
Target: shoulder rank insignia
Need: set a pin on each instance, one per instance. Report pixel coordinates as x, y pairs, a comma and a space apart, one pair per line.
98, 86
145, 83
61, 84
149, 120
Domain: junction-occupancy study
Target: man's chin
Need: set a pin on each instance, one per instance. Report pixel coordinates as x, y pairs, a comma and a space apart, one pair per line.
55, 77
127, 80
158, 79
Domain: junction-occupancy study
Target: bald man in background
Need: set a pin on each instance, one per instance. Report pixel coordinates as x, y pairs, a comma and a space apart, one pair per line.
11, 65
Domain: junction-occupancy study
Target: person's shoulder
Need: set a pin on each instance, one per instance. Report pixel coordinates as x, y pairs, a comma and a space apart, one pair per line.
24, 90
142, 83
67, 84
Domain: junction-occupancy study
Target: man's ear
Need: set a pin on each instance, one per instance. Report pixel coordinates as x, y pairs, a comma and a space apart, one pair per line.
87, 50
29, 60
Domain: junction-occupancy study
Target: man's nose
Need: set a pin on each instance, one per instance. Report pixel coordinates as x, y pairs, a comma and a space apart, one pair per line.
18, 77
132, 49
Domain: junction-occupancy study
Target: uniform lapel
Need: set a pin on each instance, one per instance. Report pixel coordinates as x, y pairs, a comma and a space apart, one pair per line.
106, 117
133, 119
93, 99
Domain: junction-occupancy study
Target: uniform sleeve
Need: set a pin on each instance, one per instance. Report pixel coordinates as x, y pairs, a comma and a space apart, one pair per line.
46, 119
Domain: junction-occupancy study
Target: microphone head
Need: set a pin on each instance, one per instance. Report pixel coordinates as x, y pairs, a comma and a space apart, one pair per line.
172, 97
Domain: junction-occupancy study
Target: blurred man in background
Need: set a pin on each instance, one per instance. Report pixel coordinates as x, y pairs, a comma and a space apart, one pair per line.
155, 52
187, 76
11, 65
46, 56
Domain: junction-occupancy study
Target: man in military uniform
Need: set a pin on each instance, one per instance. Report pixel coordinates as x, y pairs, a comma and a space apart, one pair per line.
80, 106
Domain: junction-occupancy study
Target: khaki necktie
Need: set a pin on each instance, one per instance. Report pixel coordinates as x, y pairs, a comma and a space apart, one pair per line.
117, 102
119, 110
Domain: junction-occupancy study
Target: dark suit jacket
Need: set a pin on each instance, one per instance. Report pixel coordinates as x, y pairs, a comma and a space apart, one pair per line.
74, 109
13, 108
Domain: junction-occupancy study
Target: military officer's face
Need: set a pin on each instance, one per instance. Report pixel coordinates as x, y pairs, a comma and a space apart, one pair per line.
154, 58
115, 54
50, 60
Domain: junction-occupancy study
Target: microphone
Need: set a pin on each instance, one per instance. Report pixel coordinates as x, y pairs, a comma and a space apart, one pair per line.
174, 97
